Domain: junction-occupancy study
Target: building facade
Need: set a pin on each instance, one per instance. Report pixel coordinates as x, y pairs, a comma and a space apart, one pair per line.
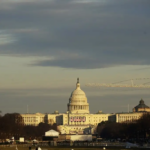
128, 117
78, 119
141, 107
131, 117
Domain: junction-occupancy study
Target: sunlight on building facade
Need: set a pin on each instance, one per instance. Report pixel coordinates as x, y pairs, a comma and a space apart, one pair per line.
78, 120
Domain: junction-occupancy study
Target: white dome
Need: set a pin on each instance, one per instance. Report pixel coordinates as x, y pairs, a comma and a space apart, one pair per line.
78, 96
78, 92
78, 100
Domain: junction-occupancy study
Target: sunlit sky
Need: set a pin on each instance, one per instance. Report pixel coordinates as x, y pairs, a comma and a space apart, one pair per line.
46, 44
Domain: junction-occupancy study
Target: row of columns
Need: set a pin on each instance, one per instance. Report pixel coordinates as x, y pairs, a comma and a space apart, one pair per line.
77, 123
77, 107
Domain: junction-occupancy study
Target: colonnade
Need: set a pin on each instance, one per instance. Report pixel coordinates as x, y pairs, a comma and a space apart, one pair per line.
78, 107
77, 123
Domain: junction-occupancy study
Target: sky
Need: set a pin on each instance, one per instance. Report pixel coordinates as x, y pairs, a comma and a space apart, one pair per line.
45, 45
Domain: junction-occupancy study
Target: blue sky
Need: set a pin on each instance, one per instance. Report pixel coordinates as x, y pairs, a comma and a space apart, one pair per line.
46, 44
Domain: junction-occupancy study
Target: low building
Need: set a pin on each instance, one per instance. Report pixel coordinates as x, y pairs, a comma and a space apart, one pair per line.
51, 135
128, 117
33, 119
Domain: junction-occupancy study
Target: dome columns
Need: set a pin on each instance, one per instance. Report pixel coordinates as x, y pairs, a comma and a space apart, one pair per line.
78, 107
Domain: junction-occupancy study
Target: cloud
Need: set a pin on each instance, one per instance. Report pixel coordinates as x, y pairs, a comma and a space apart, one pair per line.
78, 34
6, 39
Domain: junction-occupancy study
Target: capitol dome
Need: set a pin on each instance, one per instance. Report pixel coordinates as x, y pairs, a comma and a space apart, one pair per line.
78, 101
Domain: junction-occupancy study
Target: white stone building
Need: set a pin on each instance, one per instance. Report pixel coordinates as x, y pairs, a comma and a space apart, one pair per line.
131, 117
78, 119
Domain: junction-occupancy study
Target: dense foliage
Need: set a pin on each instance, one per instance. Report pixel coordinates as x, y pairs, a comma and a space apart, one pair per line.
138, 129
12, 125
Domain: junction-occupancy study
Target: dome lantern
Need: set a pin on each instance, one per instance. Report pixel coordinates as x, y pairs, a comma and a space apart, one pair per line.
141, 101
78, 84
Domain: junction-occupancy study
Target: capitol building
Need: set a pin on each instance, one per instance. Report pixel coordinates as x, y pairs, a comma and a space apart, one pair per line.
77, 119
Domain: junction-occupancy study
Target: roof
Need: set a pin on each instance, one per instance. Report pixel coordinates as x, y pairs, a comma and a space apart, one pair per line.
141, 105
52, 131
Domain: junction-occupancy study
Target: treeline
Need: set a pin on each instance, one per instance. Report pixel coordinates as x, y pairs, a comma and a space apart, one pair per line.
139, 129
12, 125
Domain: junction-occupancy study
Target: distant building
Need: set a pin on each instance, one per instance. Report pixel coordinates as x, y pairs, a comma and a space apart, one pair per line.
77, 119
135, 115
141, 107
128, 117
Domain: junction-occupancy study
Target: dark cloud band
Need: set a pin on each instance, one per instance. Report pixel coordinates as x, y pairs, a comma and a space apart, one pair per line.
100, 33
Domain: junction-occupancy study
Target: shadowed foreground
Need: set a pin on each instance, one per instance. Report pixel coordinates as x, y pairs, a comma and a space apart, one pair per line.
63, 148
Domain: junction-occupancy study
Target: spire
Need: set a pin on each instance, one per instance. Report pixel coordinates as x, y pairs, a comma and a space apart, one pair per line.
141, 101
78, 84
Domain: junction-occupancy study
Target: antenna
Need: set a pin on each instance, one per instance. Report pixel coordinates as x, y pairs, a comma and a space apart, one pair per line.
27, 109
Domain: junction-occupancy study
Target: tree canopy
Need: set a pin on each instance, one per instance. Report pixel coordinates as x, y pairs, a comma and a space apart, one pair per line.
138, 129
12, 125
